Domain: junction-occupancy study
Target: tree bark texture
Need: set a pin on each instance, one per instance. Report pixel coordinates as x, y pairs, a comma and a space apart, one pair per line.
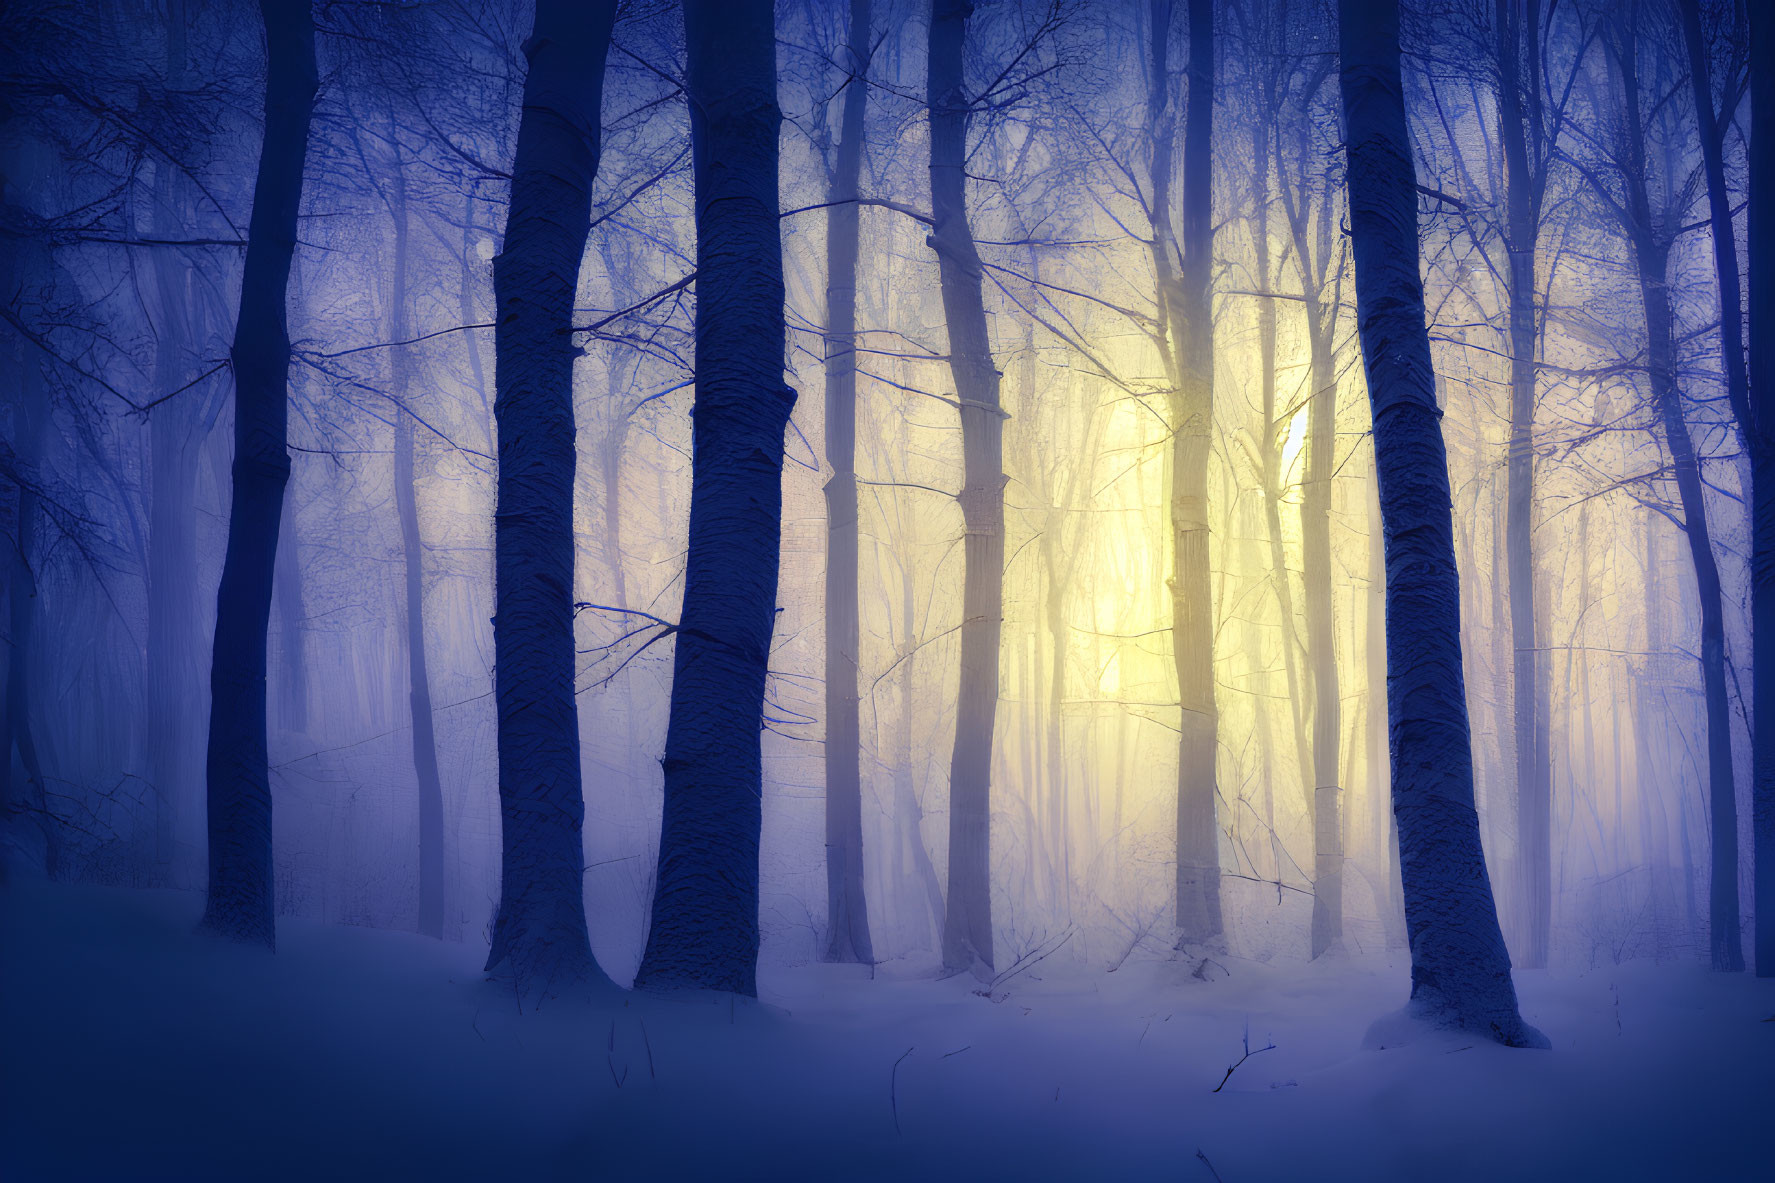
704, 933
241, 904
539, 930
967, 928
847, 913
1459, 966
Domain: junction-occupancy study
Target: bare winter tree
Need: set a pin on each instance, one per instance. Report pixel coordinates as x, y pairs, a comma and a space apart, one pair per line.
1183, 267
704, 932
1650, 230
967, 929
1762, 391
1460, 970
240, 903
540, 929
847, 912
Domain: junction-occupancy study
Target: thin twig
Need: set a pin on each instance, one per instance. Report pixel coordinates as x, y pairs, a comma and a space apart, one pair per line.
1231, 1068
893, 1088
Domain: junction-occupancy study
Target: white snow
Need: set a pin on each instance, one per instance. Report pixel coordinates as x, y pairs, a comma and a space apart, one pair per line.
137, 1050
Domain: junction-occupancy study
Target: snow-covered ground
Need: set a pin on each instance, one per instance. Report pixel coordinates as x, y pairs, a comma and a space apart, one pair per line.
136, 1050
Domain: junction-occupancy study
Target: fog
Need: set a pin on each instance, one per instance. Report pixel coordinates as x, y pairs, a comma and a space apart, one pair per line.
1073, 624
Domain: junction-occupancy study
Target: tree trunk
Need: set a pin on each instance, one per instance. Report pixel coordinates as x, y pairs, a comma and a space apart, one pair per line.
1459, 967
1328, 847
174, 686
847, 913
1192, 419
540, 928
705, 906
1275, 435
967, 927
1762, 390
425, 747
906, 804
1523, 193
30, 420
1186, 347
1652, 255
240, 905
1724, 940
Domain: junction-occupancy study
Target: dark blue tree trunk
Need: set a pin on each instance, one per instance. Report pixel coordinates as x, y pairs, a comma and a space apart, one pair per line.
174, 689
704, 933
967, 927
540, 929
240, 905
406, 497
1185, 308
1651, 241
21, 266
847, 912
1520, 123
1762, 395
1727, 954
1460, 970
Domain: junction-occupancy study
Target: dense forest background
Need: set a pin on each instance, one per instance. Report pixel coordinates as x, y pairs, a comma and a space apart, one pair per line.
1579, 165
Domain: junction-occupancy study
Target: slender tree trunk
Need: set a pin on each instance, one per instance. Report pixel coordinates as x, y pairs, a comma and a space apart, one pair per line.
1738, 394
847, 913
1724, 940
540, 928
1192, 418
1311, 260
1523, 190
1652, 254
174, 690
30, 420
705, 906
240, 905
1460, 969
967, 928
1187, 349
1275, 435
905, 795
1762, 392
1328, 847
425, 747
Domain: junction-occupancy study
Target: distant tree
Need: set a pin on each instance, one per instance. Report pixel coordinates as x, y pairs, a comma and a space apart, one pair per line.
1526, 142
847, 912
1308, 187
176, 432
425, 747
1460, 968
1183, 269
967, 928
1713, 126
240, 903
25, 271
1762, 440
704, 932
540, 928
1650, 231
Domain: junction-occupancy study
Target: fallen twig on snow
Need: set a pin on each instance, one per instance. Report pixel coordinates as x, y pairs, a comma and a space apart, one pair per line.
1234, 1067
